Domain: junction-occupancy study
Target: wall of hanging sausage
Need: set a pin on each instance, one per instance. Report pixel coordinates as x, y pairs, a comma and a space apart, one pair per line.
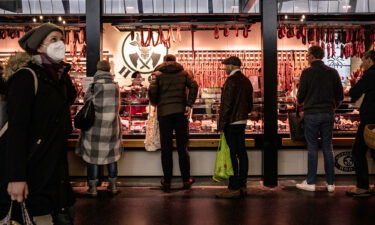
343, 46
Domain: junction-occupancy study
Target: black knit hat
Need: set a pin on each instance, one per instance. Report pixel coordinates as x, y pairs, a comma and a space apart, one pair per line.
31, 41
232, 60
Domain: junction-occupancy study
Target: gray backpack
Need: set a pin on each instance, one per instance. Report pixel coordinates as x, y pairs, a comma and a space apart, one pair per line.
3, 104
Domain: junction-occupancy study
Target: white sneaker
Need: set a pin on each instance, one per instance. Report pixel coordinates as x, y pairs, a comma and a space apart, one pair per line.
330, 188
305, 186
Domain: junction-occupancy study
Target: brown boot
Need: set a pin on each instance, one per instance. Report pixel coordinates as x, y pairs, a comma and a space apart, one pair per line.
188, 184
229, 194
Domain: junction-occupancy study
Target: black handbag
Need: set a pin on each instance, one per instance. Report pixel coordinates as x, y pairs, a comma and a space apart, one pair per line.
296, 126
86, 116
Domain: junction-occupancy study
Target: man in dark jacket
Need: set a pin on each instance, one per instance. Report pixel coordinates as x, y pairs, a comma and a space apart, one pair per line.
366, 86
168, 92
236, 104
321, 92
33, 151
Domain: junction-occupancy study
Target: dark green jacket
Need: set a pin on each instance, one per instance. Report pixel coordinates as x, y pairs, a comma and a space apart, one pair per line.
168, 90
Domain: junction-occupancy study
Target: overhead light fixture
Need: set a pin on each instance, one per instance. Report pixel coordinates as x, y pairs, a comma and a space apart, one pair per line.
34, 20
303, 17
286, 17
60, 19
41, 17
347, 6
64, 22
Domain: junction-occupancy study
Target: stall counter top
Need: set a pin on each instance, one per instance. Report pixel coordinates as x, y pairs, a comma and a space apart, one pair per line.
193, 143
337, 142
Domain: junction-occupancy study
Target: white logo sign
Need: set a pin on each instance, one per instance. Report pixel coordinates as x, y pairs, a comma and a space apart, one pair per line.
138, 58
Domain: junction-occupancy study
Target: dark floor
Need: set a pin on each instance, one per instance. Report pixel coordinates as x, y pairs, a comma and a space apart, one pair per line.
284, 205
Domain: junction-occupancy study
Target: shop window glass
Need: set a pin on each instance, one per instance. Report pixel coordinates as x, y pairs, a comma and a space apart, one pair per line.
43, 7
77, 6
225, 6
218, 6
148, 6
203, 6
179, 6
326, 6
169, 6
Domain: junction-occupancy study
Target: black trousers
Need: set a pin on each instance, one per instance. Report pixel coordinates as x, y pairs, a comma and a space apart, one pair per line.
179, 124
235, 136
359, 156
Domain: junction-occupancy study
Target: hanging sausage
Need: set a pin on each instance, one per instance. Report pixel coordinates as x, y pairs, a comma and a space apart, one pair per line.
216, 32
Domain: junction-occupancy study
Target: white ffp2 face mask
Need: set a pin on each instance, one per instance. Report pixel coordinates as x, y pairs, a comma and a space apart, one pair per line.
56, 51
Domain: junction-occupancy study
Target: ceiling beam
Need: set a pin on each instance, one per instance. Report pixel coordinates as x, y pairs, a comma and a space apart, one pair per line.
66, 5
249, 5
140, 6
11, 5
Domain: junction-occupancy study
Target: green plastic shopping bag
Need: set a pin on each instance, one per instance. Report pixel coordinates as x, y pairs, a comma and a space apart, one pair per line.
223, 164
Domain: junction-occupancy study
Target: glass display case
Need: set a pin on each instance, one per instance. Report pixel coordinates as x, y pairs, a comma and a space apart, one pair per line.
208, 71
290, 66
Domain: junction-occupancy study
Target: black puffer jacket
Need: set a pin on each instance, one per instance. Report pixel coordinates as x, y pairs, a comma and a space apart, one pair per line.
236, 100
366, 85
168, 90
34, 148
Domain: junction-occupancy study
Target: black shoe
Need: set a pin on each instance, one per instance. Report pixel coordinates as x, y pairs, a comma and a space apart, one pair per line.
243, 190
166, 187
188, 184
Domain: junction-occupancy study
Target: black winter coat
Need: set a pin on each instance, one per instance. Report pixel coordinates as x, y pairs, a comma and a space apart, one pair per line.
236, 100
34, 148
366, 85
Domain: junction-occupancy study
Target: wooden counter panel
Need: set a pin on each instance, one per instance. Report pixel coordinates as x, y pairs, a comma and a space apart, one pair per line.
337, 142
193, 143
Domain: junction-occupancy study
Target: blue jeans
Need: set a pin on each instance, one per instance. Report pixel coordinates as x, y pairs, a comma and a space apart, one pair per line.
93, 170
319, 124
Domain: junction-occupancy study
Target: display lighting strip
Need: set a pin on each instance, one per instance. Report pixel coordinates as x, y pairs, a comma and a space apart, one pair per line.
41, 18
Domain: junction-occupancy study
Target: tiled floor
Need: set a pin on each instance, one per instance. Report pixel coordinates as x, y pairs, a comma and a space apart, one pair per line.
284, 205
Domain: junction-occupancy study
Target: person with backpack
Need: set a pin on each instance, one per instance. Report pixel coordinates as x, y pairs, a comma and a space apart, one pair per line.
33, 149
101, 143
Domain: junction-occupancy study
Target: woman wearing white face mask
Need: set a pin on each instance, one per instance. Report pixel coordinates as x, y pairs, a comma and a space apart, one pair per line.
33, 162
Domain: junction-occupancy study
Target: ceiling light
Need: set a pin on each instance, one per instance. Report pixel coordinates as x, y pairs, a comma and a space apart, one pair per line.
60, 19
303, 16
286, 17
64, 22
41, 17
34, 20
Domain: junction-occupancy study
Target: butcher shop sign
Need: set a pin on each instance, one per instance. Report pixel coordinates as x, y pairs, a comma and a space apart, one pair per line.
344, 162
139, 58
